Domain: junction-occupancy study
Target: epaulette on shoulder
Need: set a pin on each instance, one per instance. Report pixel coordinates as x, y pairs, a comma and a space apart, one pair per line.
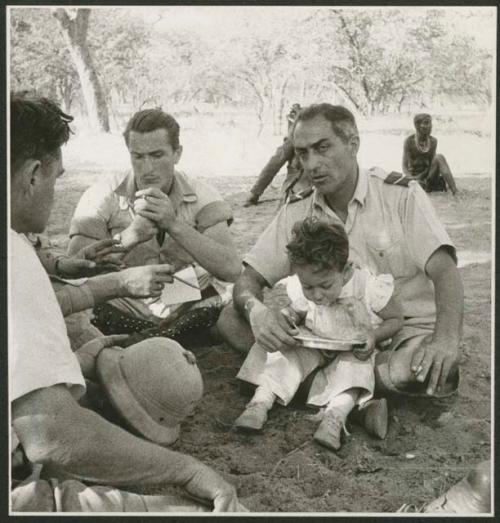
395, 178
301, 195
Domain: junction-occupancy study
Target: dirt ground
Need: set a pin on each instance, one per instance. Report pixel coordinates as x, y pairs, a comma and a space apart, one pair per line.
430, 444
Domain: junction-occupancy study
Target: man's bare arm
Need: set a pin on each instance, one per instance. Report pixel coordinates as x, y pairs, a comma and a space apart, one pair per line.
213, 249
271, 329
54, 430
139, 230
248, 290
135, 282
440, 354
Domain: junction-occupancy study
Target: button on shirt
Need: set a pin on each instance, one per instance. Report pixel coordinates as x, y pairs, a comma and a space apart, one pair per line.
391, 229
107, 208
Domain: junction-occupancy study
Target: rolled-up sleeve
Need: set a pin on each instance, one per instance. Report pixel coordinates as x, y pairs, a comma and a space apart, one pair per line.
92, 213
423, 229
213, 213
211, 207
269, 256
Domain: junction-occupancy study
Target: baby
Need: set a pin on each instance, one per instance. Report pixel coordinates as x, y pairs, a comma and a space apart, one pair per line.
334, 299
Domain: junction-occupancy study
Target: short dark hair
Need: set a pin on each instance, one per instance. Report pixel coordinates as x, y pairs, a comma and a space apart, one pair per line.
421, 116
319, 243
38, 127
341, 119
149, 120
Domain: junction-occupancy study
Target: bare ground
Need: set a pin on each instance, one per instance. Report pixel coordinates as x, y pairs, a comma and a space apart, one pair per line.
430, 444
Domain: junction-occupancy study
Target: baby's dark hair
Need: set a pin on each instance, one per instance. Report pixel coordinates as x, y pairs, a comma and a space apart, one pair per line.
318, 243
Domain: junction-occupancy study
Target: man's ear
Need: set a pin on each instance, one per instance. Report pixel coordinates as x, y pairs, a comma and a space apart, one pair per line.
178, 154
27, 175
354, 142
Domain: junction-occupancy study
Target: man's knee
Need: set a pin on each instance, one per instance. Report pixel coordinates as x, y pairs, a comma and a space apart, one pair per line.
234, 330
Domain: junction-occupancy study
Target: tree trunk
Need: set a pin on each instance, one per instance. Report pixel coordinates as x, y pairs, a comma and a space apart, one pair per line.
74, 25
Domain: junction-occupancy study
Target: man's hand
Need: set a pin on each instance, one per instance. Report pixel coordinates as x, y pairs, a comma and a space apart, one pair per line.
207, 485
155, 205
140, 230
146, 281
363, 352
437, 358
99, 251
272, 330
87, 353
91, 260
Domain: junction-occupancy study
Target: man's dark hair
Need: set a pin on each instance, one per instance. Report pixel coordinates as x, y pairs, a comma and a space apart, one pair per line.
421, 116
341, 119
318, 243
150, 120
38, 127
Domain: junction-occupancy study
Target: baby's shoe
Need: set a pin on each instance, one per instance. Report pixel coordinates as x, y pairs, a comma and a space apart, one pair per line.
374, 417
328, 432
253, 417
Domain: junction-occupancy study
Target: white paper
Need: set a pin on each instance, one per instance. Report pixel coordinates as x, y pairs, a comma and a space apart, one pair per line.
178, 292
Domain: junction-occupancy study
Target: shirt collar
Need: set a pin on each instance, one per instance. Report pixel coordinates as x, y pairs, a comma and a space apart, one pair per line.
181, 190
359, 192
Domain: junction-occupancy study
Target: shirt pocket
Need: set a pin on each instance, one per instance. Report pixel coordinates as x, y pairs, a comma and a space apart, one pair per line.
390, 254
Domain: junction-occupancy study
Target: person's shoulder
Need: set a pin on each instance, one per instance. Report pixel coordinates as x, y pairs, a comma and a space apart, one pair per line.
409, 139
22, 251
196, 189
19, 240
394, 178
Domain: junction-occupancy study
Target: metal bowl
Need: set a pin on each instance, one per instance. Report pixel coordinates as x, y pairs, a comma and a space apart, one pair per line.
316, 342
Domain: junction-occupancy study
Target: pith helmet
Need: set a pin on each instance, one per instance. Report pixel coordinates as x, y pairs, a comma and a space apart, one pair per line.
153, 385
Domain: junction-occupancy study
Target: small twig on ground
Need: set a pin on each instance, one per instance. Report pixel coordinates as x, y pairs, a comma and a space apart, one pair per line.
223, 423
286, 456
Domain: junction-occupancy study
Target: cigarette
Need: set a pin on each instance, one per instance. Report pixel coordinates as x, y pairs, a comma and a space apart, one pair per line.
189, 284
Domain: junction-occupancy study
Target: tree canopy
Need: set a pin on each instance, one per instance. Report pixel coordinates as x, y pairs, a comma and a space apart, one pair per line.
374, 60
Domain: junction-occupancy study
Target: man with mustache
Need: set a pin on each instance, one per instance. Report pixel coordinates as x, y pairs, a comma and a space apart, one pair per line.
392, 228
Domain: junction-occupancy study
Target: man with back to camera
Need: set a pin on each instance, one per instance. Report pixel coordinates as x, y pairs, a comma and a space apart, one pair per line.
45, 379
159, 215
392, 228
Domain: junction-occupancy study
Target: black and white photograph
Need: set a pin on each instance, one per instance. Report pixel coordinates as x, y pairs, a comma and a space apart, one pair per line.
251, 259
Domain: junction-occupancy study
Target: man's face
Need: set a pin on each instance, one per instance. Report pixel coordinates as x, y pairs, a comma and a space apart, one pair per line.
325, 157
323, 287
42, 196
424, 126
153, 159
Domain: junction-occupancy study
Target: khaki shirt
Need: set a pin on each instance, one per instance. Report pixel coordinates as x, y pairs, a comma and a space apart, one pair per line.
392, 230
107, 208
